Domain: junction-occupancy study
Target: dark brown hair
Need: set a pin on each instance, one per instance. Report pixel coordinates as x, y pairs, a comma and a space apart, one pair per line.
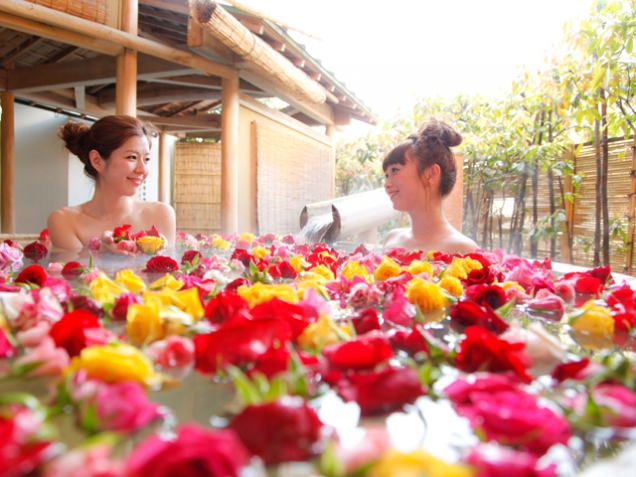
106, 135
430, 145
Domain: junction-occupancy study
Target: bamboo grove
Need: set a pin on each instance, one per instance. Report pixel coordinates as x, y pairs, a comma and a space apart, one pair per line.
532, 133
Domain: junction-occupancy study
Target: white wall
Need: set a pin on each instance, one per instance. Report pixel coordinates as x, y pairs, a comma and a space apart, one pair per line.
41, 179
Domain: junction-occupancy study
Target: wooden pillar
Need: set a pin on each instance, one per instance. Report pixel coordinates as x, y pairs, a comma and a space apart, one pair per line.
229, 155
126, 88
629, 258
569, 209
164, 169
330, 130
7, 163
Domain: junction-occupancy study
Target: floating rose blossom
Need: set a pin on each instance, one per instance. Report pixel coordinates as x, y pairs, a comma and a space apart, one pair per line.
52, 360
90, 461
10, 257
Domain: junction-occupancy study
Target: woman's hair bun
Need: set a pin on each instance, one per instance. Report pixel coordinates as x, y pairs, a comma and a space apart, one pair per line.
436, 132
73, 134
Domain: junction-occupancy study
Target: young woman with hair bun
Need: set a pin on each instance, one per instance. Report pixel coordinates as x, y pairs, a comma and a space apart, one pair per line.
115, 152
419, 173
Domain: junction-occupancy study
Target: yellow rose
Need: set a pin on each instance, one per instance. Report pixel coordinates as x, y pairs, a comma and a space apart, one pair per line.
506, 285
218, 242
592, 320
150, 245
417, 463
386, 269
322, 271
246, 237
187, 301
426, 295
311, 281
105, 290
461, 267
430, 255
417, 266
452, 285
353, 268
260, 252
131, 281
167, 282
323, 332
116, 363
143, 323
260, 293
298, 263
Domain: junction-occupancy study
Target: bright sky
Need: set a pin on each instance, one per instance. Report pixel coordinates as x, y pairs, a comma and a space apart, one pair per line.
387, 52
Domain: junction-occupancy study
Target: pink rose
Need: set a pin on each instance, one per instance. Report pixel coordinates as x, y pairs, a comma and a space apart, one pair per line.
37, 305
492, 460
30, 337
401, 311
52, 360
375, 444
59, 287
363, 295
54, 268
547, 302
88, 277
10, 257
94, 244
7, 350
127, 245
617, 403
173, 353
90, 461
122, 407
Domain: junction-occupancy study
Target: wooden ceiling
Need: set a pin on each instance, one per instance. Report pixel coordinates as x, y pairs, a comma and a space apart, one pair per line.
44, 72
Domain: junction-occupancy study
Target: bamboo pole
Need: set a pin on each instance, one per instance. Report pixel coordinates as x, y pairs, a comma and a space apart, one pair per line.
49, 32
632, 210
248, 46
101, 32
164, 168
7, 162
126, 85
229, 156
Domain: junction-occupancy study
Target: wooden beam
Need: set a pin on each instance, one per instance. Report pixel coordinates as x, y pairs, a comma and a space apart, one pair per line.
67, 101
7, 162
65, 53
20, 50
33, 27
155, 93
80, 97
184, 108
207, 121
195, 33
254, 25
3, 80
178, 29
100, 70
229, 157
101, 32
341, 117
145, 10
170, 5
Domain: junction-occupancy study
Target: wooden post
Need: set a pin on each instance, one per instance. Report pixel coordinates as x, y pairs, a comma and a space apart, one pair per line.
164, 169
229, 155
569, 209
7, 163
632, 210
330, 129
126, 89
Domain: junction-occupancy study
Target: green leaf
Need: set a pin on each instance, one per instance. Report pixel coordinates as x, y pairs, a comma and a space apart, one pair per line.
246, 391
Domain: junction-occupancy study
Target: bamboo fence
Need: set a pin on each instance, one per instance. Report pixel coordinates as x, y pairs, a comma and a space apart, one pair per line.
93, 10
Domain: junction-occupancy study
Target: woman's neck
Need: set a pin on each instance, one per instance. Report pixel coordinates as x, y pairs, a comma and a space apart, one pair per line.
109, 206
428, 219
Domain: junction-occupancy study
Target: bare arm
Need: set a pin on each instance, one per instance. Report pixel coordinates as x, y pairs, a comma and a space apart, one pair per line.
62, 232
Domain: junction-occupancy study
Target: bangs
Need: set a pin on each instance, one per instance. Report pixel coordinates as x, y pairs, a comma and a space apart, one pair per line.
396, 155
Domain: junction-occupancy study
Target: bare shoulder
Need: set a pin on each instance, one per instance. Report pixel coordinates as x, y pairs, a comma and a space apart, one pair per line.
61, 225
162, 216
459, 243
395, 238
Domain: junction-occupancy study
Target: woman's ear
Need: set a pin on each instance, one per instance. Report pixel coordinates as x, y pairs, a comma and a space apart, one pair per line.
96, 160
432, 175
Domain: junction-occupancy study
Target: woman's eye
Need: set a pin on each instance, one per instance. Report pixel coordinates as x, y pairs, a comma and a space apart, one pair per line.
147, 160
134, 158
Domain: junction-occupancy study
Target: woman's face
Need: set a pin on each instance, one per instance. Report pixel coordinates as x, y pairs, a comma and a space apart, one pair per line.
127, 168
403, 184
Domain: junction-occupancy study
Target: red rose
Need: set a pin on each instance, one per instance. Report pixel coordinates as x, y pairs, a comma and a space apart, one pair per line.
120, 308
282, 269
224, 306
481, 276
161, 264
574, 370
242, 256
289, 239
317, 258
72, 270
277, 309
35, 251
280, 431
277, 360
413, 341
194, 452
122, 233
588, 285
403, 257
365, 320
81, 302
238, 342
33, 274
382, 391
68, 333
364, 352
507, 414
468, 313
190, 256
234, 284
482, 350
491, 295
